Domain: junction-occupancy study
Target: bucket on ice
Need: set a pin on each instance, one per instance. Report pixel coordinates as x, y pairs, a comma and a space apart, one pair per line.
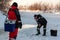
53, 32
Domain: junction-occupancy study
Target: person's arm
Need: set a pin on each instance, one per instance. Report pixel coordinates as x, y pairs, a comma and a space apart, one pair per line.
18, 15
18, 18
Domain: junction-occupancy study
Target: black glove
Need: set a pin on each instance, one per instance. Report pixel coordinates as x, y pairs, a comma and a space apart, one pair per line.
20, 25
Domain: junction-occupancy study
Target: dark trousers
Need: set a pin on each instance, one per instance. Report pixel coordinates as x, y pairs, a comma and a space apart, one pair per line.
44, 28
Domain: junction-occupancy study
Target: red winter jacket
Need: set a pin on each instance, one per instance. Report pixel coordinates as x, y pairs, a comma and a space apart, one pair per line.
11, 13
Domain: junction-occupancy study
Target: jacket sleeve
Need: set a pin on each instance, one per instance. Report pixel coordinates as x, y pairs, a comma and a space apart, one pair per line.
18, 15
18, 22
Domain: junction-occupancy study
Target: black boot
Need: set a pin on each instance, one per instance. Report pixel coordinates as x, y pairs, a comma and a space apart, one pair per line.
38, 31
44, 32
15, 37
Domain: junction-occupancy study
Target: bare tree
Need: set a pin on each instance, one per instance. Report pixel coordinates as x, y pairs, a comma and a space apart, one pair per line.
4, 4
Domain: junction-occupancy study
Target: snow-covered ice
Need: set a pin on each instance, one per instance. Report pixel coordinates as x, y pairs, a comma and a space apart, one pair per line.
29, 26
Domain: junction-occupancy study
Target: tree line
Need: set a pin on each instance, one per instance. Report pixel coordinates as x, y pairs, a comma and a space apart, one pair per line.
5, 4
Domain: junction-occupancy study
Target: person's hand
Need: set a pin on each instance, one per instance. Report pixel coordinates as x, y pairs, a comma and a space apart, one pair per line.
20, 24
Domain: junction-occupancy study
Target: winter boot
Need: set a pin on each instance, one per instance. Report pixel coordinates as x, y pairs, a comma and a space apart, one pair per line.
44, 32
38, 31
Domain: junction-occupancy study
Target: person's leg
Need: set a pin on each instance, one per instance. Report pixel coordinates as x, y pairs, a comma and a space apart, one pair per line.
13, 35
44, 30
38, 29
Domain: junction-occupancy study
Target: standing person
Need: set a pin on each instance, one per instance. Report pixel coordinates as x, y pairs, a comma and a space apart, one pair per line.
13, 14
41, 21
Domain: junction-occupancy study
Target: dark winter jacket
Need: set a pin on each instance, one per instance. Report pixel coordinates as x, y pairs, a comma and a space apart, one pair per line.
42, 21
13, 14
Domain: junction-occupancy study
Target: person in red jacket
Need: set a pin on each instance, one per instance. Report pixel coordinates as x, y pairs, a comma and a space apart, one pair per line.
13, 14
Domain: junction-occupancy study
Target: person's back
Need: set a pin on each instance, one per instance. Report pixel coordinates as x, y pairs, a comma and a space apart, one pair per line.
41, 20
11, 13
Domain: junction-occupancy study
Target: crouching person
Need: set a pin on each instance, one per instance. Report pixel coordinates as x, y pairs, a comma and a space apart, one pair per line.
13, 14
41, 21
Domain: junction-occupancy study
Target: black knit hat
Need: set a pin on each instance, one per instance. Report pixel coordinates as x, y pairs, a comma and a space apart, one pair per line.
35, 15
15, 4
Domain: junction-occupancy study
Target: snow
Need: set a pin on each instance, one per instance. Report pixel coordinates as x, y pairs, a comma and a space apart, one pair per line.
2, 18
29, 26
